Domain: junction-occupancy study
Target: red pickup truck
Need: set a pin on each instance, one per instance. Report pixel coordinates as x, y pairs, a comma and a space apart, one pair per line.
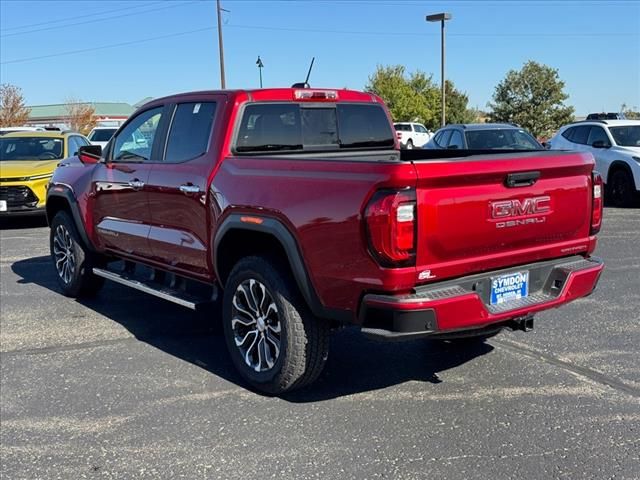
297, 209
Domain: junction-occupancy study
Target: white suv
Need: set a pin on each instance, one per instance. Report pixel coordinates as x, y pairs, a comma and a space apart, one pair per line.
615, 144
412, 134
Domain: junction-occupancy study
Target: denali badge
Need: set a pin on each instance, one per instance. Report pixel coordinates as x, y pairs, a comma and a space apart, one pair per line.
512, 211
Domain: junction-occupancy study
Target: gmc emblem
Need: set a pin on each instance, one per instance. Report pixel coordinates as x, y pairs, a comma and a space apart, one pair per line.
506, 209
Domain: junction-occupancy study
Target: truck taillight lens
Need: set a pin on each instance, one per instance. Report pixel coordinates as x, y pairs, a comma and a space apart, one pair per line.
597, 204
390, 219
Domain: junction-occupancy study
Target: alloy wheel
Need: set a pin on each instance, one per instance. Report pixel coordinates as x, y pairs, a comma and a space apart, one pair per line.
256, 325
64, 254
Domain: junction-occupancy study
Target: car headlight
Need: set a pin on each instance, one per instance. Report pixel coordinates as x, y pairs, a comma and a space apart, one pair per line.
40, 177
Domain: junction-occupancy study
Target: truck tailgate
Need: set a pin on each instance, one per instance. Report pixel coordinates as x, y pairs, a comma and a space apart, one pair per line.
471, 220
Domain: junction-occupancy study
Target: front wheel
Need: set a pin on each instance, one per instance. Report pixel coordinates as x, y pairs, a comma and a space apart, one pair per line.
71, 259
275, 342
410, 145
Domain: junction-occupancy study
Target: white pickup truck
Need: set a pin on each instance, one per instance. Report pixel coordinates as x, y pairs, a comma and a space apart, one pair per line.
412, 135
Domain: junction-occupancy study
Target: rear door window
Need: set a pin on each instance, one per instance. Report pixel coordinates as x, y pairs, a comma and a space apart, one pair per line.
291, 127
456, 140
190, 131
580, 134
442, 138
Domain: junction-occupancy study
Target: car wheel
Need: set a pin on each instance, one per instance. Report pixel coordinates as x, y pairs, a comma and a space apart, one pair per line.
274, 341
71, 259
410, 145
621, 189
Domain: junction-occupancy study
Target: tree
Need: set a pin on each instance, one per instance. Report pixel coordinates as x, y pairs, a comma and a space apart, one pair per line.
416, 98
630, 113
407, 97
533, 98
13, 112
79, 116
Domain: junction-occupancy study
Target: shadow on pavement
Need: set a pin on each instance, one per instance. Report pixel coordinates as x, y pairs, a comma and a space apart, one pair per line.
19, 223
355, 363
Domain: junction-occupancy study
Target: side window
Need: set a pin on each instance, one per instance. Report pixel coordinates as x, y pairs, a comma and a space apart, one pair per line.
456, 140
135, 142
580, 134
420, 129
568, 133
72, 146
597, 134
442, 138
190, 131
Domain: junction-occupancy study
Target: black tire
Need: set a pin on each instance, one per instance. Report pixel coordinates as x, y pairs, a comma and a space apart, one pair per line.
303, 339
410, 145
621, 189
77, 278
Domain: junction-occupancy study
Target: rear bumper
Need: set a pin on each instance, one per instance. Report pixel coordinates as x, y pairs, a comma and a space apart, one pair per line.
463, 304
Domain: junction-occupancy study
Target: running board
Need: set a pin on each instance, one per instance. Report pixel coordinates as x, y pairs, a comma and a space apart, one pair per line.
152, 288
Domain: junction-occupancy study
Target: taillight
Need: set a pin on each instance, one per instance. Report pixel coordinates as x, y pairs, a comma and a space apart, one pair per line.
597, 203
391, 223
399, 135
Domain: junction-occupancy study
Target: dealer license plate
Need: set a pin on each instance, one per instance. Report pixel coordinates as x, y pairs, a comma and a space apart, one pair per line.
509, 287
3, 205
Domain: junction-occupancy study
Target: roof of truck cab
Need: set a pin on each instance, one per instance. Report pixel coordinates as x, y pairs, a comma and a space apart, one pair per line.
274, 94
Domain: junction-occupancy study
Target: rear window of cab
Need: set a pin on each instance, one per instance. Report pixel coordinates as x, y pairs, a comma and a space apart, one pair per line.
294, 127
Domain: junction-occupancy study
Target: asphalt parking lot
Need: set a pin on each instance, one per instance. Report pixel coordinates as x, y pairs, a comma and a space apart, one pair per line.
128, 386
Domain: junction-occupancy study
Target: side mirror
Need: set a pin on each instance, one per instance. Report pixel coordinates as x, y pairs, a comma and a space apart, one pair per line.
90, 153
453, 147
600, 144
546, 145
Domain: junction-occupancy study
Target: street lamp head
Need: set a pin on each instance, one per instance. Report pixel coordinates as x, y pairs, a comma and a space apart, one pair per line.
439, 17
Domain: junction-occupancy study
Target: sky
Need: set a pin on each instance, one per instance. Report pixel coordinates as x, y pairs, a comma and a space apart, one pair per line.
125, 51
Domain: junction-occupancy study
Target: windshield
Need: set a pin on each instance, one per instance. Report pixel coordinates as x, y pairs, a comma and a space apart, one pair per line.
30, 148
501, 139
628, 136
102, 134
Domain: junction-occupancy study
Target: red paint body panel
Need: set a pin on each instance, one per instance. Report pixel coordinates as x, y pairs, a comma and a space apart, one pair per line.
321, 202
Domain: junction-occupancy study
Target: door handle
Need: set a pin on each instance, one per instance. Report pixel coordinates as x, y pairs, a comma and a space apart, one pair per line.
523, 179
136, 184
189, 189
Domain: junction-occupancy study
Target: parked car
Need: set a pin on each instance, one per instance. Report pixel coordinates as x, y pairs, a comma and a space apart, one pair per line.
302, 219
483, 136
101, 135
5, 130
615, 144
412, 135
27, 162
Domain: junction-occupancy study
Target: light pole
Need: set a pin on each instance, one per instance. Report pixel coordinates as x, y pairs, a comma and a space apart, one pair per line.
260, 66
441, 17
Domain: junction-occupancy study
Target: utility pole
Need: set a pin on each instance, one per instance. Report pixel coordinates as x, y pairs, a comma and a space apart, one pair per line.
441, 17
220, 47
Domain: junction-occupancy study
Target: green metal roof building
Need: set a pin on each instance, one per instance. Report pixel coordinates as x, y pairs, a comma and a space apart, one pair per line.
107, 113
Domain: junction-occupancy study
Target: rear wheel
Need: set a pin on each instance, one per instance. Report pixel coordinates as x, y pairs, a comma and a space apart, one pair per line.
621, 189
275, 342
71, 259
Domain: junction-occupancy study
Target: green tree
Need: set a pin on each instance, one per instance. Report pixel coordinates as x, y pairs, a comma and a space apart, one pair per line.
630, 113
532, 97
408, 97
415, 97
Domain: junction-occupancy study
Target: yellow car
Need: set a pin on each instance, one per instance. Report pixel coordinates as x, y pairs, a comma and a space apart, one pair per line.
27, 162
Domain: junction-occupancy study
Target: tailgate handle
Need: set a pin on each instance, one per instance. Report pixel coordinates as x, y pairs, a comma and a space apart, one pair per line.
522, 179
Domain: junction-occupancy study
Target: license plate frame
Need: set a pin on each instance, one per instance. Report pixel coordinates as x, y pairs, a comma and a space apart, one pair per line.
509, 287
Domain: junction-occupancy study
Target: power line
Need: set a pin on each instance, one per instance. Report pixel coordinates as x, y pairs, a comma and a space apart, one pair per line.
48, 22
122, 44
342, 32
99, 19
